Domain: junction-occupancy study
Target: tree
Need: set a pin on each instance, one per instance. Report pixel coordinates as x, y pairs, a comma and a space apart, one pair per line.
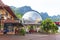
19, 15
22, 31
49, 26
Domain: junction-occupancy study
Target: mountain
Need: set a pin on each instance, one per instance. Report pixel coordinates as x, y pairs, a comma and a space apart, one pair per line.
55, 18
22, 10
13, 8
44, 15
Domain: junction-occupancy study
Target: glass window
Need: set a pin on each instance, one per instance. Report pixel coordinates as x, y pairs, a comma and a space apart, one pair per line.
6, 13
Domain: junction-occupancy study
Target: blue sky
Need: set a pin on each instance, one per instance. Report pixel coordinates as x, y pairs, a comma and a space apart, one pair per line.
52, 7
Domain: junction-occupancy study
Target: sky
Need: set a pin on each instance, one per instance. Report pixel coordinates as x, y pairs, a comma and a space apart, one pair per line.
52, 7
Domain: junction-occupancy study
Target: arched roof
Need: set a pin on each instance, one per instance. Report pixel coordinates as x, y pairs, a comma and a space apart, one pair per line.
31, 16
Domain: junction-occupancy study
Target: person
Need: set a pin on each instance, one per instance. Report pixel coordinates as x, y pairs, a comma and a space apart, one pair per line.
5, 31
16, 31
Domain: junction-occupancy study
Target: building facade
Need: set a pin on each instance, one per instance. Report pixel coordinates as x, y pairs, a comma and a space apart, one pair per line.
8, 19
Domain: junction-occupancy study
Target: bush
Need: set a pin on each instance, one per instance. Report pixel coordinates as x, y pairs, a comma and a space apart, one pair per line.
49, 26
31, 28
22, 32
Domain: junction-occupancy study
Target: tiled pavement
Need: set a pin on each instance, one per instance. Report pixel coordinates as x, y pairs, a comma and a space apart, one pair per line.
30, 37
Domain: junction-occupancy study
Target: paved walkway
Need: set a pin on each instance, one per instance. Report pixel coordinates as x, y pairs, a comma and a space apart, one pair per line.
30, 37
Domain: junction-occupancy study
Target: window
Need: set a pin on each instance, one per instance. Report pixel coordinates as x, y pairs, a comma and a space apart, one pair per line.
6, 13
0, 16
11, 17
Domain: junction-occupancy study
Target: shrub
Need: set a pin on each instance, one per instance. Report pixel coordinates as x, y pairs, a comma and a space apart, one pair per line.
49, 26
22, 32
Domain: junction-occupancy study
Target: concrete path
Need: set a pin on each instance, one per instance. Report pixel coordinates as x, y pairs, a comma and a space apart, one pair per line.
30, 37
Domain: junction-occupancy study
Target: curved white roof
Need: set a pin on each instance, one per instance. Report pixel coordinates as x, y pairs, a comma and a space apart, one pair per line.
32, 17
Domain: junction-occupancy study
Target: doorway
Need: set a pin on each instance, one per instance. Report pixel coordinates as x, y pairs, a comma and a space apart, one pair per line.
9, 27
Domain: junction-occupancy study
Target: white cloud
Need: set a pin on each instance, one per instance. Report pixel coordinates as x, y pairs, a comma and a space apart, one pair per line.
50, 6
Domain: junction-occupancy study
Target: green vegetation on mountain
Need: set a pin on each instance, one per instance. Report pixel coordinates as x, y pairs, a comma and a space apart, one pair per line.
19, 15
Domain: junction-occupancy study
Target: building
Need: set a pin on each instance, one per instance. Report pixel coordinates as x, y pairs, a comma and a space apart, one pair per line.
32, 19
57, 23
8, 19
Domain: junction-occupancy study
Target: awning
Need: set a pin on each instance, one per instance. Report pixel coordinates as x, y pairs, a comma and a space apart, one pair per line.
14, 24
11, 21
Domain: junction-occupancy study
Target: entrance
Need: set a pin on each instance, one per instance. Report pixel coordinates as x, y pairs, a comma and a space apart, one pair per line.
8, 27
